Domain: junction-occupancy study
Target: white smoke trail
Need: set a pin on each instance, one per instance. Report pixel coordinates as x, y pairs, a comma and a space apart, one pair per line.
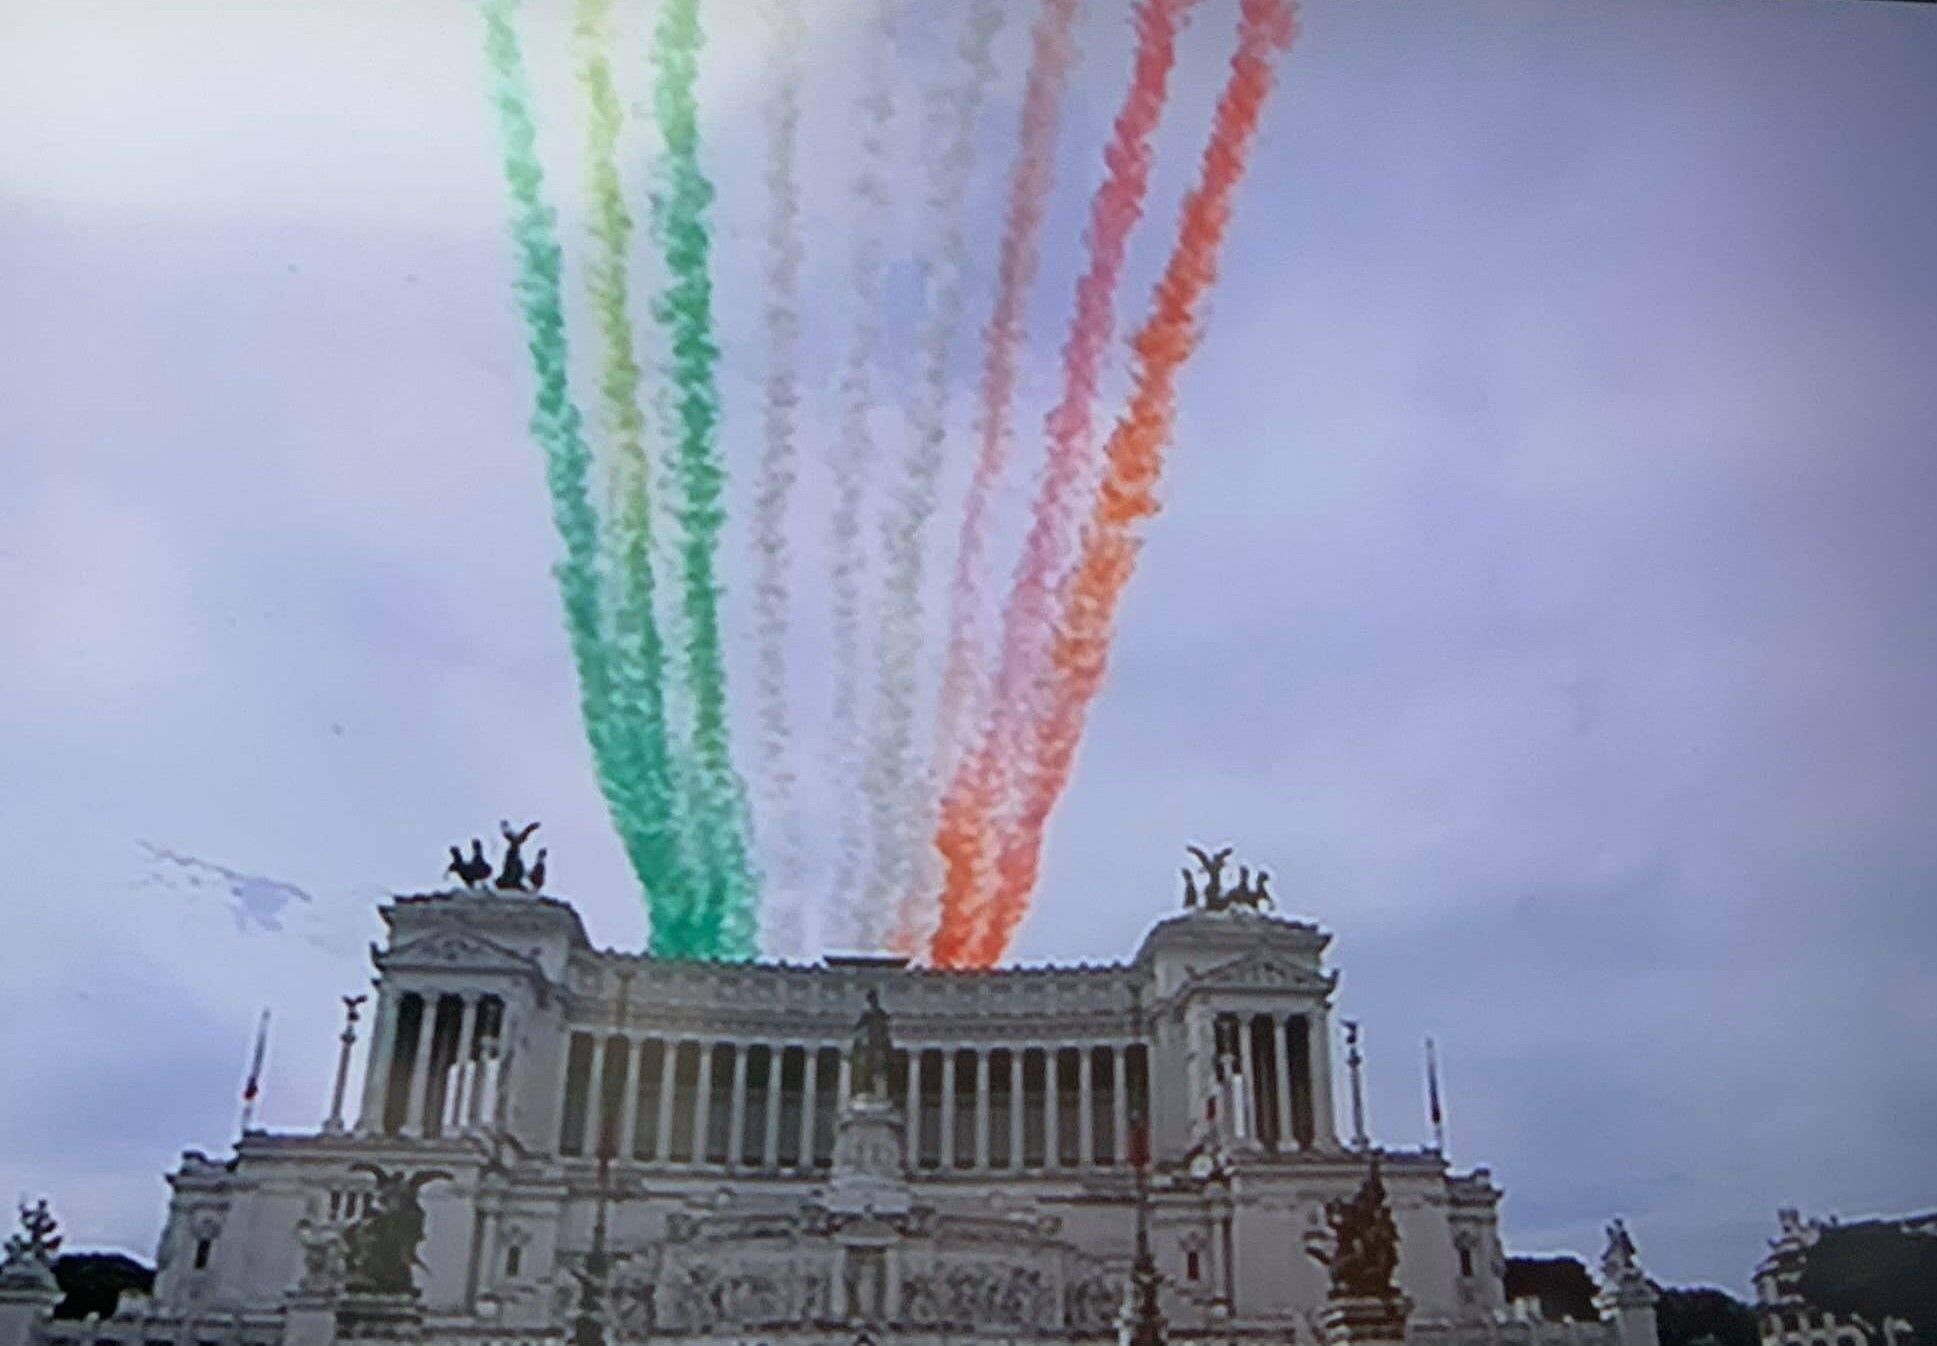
853, 460
780, 818
900, 795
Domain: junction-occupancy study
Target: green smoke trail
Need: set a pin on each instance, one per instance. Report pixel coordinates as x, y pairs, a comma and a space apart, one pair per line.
636, 649
724, 924
559, 430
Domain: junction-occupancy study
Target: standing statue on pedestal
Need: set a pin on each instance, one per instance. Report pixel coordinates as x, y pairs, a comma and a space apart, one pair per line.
873, 1048
1619, 1263
380, 1248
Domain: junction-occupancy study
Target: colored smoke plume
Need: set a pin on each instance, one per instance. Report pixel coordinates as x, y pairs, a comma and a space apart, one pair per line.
1090, 594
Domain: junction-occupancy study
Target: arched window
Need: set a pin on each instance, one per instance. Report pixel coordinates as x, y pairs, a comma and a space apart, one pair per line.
1192, 1267
514, 1257
1466, 1259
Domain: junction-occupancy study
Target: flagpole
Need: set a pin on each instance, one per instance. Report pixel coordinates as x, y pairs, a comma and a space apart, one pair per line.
1435, 1113
253, 1086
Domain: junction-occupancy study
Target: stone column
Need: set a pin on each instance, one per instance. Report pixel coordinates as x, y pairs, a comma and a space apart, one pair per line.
1282, 1056
1120, 1101
488, 1049
736, 1127
810, 1076
1247, 1106
843, 1084
982, 1107
420, 1066
1015, 1107
1085, 1108
1200, 1057
1318, 1065
668, 1060
770, 1143
948, 1108
376, 1066
628, 1135
510, 1022
462, 1084
594, 1134
912, 1122
703, 1105
1052, 1110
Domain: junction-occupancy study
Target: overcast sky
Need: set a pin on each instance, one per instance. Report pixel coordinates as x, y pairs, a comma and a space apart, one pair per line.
1544, 589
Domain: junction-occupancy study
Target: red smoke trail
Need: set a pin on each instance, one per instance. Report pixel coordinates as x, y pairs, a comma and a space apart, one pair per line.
1051, 53
1127, 495
1114, 212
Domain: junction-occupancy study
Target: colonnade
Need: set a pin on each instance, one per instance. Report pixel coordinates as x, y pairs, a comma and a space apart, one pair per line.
760, 1105
1280, 1091
437, 1064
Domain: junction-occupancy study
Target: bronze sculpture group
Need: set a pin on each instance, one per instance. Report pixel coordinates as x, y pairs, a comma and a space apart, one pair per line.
1364, 1242
380, 1248
1252, 896
474, 871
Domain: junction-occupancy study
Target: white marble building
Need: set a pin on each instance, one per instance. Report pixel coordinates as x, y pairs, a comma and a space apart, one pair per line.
684, 1117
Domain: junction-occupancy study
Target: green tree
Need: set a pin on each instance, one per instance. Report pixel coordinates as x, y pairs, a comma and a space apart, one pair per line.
1872, 1272
1692, 1315
1561, 1284
92, 1283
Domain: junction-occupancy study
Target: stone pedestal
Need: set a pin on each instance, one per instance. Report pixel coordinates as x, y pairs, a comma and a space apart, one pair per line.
1363, 1322
870, 1168
377, 1318
309, 1319
28, 1293
1630, 1308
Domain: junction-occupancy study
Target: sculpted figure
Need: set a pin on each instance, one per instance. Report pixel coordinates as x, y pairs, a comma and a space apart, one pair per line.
1214, 899
873, 1046
512, 876
471, 870
1620, 1256
1365, 1242
380, 1248
537, 880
